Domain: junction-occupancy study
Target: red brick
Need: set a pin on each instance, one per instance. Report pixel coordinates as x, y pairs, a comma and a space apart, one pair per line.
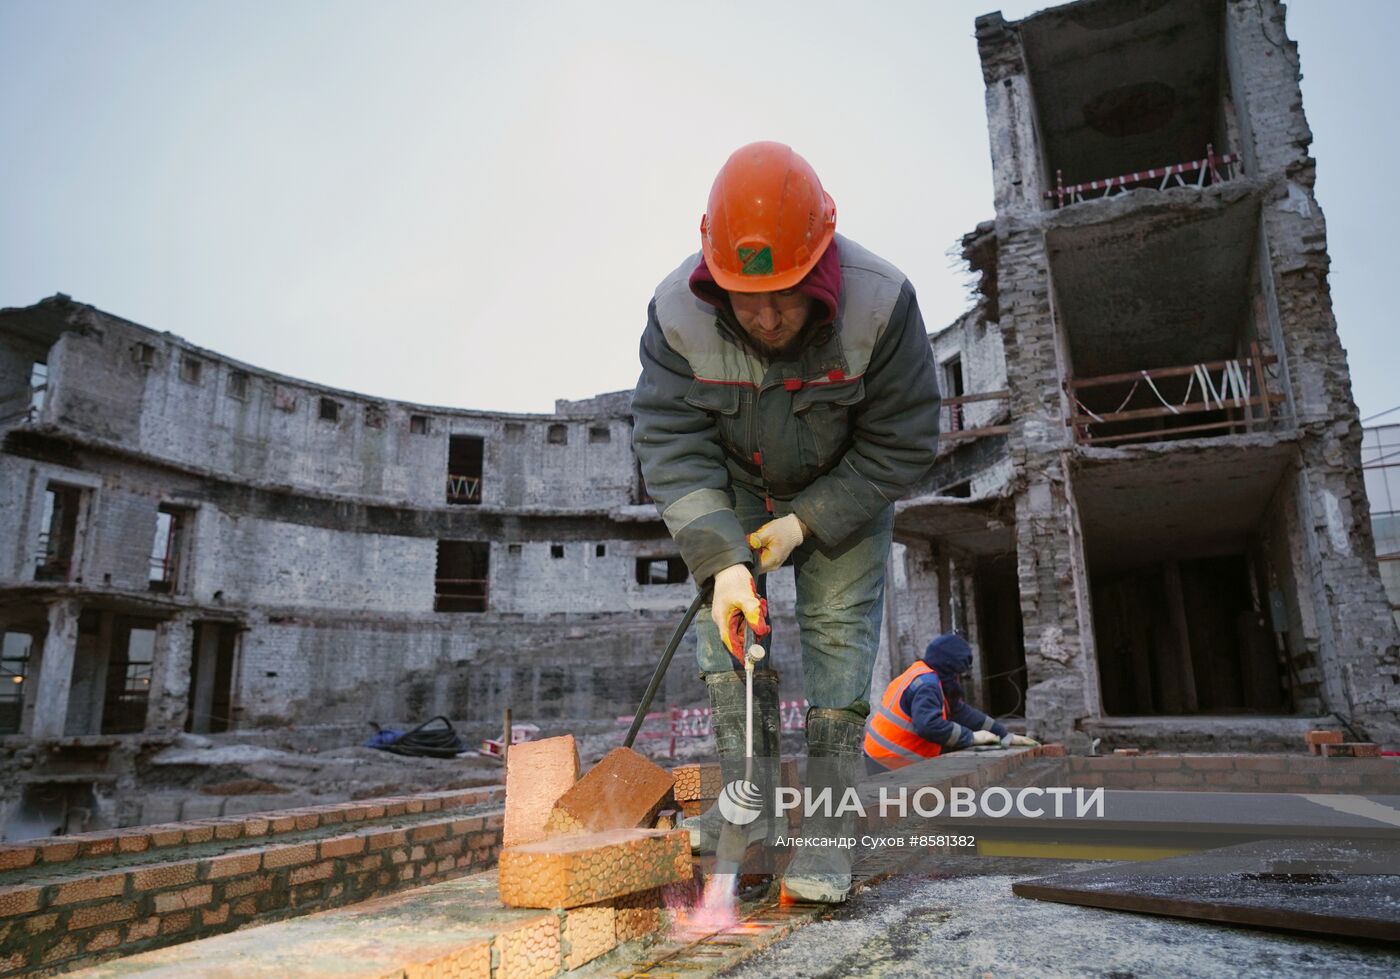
14, 857
1352, 749
623, 791
287, 856
1323, 737
374, 810
228, 829
37, 924
316, 871
1235, 779
101, 914
65, 948
431, 804
395, 807
164, 875
1157, 763
428, 832
176, 922
99, 846
105, 939
134, 842
214, 916
537, 774
308, 820
190, 897
58, 852
282, 824
1209, 763
91, 888
1261, 763
1282, 779
587, 933
529, 948
199, 834
258, 884
255, 825
639, 915
171, 835
388, 838
1126, 751
575, 870
19, 900
342, 846
1054, 750
1177, 778
145, 928
233, 865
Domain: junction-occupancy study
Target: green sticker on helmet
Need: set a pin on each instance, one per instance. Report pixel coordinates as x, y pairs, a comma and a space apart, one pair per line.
756, 261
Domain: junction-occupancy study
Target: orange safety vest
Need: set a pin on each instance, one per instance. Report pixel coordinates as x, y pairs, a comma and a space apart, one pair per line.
890, 738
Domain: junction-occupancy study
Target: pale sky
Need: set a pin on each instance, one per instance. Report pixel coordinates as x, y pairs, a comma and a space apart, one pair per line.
469, 204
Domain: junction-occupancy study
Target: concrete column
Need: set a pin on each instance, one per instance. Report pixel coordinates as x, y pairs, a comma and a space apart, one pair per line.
170, 676
206, 663
55, 671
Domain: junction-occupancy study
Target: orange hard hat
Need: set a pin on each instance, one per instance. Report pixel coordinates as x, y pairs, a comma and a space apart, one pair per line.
768, 220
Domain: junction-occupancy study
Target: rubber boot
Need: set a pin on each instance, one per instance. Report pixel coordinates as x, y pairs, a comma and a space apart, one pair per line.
822, 874
727, 720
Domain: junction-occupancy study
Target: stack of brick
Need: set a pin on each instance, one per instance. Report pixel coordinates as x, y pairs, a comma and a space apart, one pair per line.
457, 928
1330, 744
72, 900
698, 786
584, 849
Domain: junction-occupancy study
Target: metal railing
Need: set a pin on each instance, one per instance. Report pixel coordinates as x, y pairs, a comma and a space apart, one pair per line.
954, 424
24, 405
1211, 169
460, 594
1242, 392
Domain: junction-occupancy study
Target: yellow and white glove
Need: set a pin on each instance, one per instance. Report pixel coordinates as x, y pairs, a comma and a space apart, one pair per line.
985, 737
736, 601
775, 541
1018, 741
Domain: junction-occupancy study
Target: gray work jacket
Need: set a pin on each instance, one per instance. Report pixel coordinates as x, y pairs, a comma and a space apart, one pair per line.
835, 434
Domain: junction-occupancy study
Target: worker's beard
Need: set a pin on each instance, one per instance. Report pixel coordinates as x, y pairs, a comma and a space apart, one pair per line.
786, 351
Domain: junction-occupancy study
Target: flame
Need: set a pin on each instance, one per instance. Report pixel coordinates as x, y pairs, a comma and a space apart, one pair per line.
717, 910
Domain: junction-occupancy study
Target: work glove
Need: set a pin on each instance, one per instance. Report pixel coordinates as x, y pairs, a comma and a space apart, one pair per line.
985, 737
1018, 741
775, 541
735, 603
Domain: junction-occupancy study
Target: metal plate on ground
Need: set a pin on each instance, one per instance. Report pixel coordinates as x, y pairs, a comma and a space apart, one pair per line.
1328, 886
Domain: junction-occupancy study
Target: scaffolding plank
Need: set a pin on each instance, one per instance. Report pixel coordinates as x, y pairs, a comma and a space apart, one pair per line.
1326, 886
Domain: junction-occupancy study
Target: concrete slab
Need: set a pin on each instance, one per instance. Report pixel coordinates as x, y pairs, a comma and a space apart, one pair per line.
1332, 887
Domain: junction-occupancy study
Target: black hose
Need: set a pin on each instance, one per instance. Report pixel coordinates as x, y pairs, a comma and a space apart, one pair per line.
660, 672
422, 743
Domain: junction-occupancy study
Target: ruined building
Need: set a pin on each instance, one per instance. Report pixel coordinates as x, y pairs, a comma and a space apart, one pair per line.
1157, 511
1148, 514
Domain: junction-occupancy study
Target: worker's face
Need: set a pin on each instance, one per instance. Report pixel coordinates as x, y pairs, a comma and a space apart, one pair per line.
772, 320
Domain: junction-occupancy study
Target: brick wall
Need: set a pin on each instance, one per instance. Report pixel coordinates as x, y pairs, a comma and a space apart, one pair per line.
74, 900
1234, 773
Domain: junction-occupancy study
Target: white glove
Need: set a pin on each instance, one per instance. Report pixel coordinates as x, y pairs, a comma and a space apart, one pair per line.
736, 597
1018, 741
985, 737
775, 541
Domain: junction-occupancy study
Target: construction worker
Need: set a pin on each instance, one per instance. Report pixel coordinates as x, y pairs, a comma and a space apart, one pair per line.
923, 713
787, 399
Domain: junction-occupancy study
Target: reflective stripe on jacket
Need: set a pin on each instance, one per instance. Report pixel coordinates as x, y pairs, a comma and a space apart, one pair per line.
890, 738
834, 432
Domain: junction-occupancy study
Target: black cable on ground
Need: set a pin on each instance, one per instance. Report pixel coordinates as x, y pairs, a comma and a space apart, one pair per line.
422, 742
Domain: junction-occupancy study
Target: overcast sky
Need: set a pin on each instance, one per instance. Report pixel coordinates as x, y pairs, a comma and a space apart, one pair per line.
469, 204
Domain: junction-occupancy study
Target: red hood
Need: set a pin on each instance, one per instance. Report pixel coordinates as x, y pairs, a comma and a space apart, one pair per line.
823, 284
